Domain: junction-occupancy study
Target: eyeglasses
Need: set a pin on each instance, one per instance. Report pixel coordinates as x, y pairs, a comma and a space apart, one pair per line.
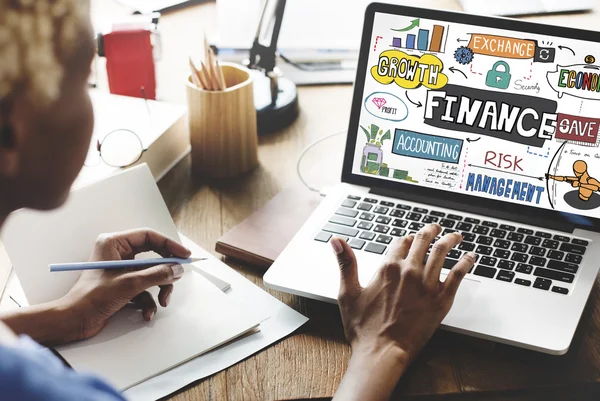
119, 148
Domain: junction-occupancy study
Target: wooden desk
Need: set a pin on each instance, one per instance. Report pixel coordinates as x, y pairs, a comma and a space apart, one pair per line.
310, 364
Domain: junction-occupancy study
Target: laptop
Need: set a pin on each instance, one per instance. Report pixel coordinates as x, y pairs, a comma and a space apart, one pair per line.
488, 127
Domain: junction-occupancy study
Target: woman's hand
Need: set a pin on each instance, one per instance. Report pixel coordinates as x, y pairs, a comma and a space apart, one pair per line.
388, 322
98, 294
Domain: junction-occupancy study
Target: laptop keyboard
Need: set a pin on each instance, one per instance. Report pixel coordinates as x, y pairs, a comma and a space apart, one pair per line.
518, 255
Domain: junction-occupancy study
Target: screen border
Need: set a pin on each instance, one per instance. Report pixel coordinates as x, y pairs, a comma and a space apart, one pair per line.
491, 207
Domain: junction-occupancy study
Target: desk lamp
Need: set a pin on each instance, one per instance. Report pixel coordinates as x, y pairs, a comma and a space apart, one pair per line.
275, 97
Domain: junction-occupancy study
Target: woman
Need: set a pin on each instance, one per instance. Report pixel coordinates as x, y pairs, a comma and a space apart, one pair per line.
46, 122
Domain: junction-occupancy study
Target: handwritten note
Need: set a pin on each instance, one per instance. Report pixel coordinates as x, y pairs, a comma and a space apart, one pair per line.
445, 176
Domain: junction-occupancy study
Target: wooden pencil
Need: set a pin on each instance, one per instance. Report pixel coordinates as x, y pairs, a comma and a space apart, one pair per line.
207, 76
220, 75
195, 76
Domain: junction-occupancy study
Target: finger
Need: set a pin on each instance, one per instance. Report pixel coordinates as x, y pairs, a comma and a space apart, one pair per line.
457, 273
144, 240
152, 276
421, 243
437, 256
349, 283
399, 248
145, 302
164, 295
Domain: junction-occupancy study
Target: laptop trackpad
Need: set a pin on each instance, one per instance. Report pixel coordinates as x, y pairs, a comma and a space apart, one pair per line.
461, 309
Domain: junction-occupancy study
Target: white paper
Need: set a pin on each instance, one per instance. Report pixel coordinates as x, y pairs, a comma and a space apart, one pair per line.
283, 321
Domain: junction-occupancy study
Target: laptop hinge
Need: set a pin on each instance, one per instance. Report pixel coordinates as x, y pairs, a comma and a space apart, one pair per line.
557, 224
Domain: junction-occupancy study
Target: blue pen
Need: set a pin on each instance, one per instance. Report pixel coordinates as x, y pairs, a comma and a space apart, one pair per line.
121, 264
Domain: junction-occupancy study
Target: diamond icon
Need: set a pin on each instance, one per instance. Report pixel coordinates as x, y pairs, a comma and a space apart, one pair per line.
379, 102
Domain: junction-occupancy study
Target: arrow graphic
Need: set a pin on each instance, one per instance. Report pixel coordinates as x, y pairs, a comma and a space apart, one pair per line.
416, 104
473, 140
548, 173
457, 70
507, 172
413, 24
565, 47
462, 40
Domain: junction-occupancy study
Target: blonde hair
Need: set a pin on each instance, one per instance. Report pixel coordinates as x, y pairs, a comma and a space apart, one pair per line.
36, 39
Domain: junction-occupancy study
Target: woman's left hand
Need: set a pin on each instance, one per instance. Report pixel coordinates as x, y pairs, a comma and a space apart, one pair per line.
98, 294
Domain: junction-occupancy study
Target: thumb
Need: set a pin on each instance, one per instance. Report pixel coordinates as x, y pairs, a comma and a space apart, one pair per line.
349, 283
156, 275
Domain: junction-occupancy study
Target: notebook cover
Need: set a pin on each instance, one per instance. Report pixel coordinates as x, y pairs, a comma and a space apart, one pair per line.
260, 238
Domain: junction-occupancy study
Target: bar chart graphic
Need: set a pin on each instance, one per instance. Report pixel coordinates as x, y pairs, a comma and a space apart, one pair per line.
424, 40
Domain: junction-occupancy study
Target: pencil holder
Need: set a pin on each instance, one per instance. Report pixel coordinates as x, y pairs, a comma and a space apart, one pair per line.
223, 131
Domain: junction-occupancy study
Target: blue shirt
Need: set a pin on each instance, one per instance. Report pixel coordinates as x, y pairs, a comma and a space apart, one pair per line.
30, 372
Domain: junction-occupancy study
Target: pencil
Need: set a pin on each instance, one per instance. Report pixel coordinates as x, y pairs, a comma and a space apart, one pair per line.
195, 75
206, 74
121, 264
220, 75
213, 70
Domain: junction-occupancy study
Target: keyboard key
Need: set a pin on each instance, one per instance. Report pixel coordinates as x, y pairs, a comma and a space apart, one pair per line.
385, 203
464, 226
468, 237
488, 261
485, 240
519, 257
365, 206
576, 249
549, 243
398, 232
384, 239
525, 231
505, 275
430, 219
349, 203
414, 216
466, 246
543, 234
367, 235
481, 230
472, 220
485, 271
507, 227
563, 266
400, 223
531, 240
397, 213
342, 237
502, 244
573, 258
416, 226
537, 261
498, 233
542, 284
356, 243
323, 237
403, 207
367, 216
560, 290
519, 248
420, 210
489, 224
375, 248
501, 253
562, 238
556, 255
379, 228
345, 221
381, 210
523, 268
520, 281
454, 254
449, 263
554, 275
506, 264
484, 250
383, 220
455, 217
336, 229
353, 197
447, 223
537, 251
448, 231
515, 237
580, 242
437, 214
342, 211
371, 200
363, 225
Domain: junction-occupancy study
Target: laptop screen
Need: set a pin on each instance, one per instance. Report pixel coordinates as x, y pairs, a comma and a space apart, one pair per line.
493, 113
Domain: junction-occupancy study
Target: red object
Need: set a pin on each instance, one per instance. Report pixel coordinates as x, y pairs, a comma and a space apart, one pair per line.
576, 128
130, 63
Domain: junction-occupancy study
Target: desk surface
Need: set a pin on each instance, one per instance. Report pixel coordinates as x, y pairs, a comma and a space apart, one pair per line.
310, 364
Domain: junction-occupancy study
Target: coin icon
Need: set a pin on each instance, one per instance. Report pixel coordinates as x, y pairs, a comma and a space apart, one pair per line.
590, 59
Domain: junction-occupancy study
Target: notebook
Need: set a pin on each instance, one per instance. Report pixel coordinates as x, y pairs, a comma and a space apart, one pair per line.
129, 350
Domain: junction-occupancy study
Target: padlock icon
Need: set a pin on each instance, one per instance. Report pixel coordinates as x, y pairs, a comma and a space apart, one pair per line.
498, 79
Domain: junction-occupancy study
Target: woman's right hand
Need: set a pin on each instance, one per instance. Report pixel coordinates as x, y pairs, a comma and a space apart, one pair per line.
388, 322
